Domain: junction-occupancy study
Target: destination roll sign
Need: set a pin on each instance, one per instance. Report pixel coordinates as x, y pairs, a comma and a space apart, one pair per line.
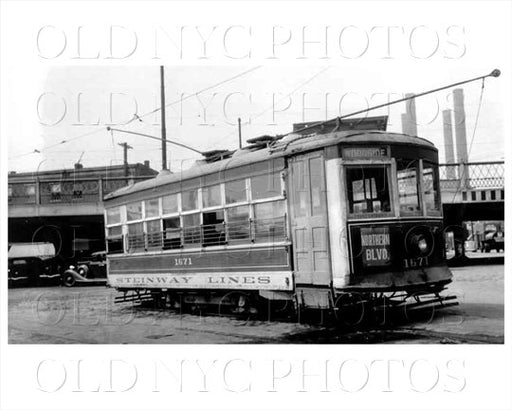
365, 152
375, 246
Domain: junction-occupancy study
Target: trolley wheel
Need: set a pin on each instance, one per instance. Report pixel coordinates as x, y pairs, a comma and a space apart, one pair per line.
69, 280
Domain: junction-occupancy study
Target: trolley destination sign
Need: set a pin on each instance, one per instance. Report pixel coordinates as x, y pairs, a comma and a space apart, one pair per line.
375, 246
365, 152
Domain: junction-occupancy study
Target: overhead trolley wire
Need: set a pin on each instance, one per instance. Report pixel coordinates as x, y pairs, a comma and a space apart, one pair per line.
139, 117
227, 80
281, 99
65, 141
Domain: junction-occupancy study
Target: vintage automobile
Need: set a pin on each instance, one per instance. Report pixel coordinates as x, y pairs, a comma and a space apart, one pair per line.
471, 244
493, 240
91, 270
31, 263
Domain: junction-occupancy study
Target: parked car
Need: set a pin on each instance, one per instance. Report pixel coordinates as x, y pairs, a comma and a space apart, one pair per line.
493, 240
471, 244
32, 263
92, 270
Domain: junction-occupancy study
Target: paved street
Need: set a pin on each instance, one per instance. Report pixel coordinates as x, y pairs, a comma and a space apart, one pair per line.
88, 315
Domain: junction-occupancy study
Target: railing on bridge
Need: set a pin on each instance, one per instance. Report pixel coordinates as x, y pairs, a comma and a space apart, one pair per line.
59, 191
472, 175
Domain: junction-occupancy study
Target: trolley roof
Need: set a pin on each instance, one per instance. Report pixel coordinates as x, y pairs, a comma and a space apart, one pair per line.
289, 145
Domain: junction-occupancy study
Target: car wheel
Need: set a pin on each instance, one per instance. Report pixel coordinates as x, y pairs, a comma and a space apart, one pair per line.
83, 270
69, 280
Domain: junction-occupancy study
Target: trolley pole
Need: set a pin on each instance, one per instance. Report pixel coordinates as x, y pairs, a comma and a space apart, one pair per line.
164, 135
126, 147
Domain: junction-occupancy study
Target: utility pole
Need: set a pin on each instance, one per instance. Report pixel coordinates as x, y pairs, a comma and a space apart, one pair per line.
239, 133
164, 136
126, 147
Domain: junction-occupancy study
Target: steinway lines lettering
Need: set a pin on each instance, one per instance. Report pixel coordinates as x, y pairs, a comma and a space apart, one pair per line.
190, 280
155, 279
239, 279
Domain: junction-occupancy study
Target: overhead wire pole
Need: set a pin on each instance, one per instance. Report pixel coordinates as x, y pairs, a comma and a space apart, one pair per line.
164, 134
126, 147
239, 133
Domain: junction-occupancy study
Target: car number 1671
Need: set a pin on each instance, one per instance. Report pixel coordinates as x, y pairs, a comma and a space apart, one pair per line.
182, 261
416, 262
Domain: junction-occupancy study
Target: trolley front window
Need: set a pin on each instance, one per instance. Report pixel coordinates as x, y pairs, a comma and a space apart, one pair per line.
368, 190
431, 188
408, 192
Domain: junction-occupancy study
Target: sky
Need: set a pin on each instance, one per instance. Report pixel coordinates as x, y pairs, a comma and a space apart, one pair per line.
62, 107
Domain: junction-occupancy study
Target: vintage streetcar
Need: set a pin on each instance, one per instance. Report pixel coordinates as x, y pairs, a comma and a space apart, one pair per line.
317, 220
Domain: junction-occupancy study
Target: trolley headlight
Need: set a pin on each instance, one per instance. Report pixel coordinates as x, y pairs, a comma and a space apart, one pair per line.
72, 267
419, 241
422, 244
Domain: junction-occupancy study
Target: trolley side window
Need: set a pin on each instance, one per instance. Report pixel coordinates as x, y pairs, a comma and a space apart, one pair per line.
214, 228
269, 221
431, 188
170, 204
151, 208
266, 186
236, 191
134, 211
172, 233
113, 216
115, 239
238, 224
114, 234
212, 196
189, 200
136, 240
191, 230
242, 211
154, 233
368, 190
408, 192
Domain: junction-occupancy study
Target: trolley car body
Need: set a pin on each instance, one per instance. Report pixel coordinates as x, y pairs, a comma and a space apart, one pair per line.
304, 218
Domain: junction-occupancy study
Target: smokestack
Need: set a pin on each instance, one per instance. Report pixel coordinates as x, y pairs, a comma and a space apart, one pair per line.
410, 110
406, 126
460, 125
146, 163
78, 166
448, 143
